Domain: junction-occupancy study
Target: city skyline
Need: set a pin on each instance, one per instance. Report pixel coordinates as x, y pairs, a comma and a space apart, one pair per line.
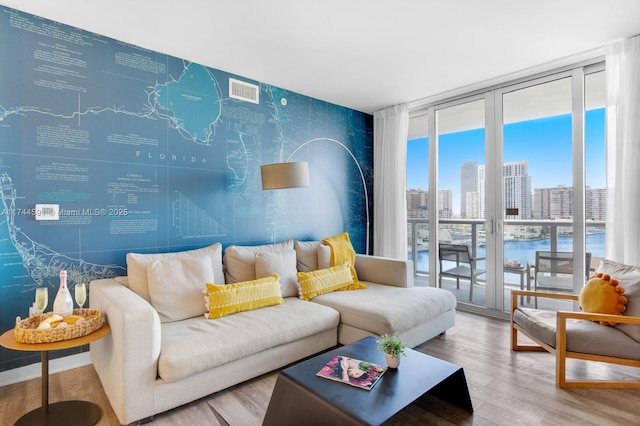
544, 143
546, 203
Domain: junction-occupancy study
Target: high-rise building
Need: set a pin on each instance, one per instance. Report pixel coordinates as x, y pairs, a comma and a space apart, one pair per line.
468, 183
417, 203
556, 203
561, 205
481, 192
445, 203
541, 203
549, 202
596, 204
517, 189
473, 205
553, 203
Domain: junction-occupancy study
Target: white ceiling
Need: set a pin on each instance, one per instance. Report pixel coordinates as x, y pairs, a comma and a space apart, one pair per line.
362, 54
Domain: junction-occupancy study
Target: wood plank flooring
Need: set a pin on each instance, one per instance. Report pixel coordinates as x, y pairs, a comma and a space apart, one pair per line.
507, 388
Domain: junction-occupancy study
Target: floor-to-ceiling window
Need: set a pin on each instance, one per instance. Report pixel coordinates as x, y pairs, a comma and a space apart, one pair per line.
418, 192
519, 169
537, 151
595, 165
460, 133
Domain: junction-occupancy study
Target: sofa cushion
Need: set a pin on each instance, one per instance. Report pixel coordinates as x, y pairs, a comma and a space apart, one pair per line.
227, 299
324, 281
382, 309
306, 255
240, 261
194, 345
628, 278
324, 256
137, 266
312, 255
282, 263
176, 284
122, 280
582, 336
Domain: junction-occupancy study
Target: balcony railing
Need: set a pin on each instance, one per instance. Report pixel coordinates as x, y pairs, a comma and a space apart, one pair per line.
469, 231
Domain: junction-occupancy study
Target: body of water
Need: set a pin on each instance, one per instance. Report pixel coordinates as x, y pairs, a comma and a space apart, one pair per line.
525, 251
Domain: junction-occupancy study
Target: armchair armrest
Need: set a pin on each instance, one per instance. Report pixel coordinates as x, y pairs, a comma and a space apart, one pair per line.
384, 270
620, 319
126, 360
545, 294
562, 353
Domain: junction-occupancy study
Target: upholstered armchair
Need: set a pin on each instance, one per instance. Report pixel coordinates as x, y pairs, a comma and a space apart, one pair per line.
579, 335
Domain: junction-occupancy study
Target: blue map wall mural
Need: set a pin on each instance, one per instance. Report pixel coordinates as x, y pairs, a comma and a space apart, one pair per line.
144, 152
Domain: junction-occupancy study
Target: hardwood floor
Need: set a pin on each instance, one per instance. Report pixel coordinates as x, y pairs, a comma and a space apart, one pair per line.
507, 388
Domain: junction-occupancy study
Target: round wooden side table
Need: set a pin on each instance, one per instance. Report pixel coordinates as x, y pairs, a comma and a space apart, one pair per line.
64, 412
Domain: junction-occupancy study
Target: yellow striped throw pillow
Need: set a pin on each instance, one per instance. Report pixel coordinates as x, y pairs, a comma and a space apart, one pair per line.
315, 283
222, 300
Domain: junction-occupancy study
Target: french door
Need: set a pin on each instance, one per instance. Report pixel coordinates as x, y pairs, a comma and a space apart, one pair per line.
507, 177
461, 146
537, 129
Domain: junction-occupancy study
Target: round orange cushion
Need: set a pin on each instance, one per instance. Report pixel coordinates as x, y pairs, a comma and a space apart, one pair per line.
602, 295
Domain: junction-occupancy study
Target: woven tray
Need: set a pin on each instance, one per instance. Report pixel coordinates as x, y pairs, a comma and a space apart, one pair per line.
27, 330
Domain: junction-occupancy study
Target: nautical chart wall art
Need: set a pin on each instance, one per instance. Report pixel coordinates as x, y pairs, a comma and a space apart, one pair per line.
146, 152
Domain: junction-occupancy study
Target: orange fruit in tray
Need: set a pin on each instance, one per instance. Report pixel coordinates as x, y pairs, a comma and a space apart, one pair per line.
57, 321
72, 319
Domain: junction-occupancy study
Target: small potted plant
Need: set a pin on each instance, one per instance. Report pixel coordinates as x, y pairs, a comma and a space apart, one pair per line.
393, 347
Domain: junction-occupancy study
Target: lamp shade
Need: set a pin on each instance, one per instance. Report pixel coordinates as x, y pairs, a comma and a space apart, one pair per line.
285, 175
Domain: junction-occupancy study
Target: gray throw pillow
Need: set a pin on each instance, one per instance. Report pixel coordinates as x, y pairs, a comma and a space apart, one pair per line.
629, 278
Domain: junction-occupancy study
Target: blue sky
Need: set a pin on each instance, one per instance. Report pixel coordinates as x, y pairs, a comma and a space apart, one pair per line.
544, 143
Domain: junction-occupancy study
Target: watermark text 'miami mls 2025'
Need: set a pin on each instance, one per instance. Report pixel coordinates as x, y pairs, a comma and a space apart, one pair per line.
68, 212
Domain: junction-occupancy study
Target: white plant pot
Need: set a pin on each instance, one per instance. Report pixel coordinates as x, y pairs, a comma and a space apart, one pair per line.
392, 362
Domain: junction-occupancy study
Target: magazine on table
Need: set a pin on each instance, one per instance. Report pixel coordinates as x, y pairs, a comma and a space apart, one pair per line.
355, 372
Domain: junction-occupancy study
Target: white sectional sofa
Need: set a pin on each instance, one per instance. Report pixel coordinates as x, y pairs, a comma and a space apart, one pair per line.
162, 352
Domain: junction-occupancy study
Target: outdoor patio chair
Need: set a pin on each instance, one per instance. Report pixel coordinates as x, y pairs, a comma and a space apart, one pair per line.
465, 264
554, 270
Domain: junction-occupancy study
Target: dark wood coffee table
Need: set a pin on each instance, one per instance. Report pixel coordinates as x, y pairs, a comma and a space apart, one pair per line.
300, 397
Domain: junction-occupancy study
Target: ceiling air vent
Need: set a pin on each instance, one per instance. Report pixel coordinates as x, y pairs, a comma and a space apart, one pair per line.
244, 91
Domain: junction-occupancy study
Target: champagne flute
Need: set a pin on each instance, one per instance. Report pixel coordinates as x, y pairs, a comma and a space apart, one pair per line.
81, 295
42, 299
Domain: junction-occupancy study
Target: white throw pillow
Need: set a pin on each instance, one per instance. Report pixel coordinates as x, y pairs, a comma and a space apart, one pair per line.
137, 266
629, 278
306, 255
282, 263
240, 261
324, 256
176, 285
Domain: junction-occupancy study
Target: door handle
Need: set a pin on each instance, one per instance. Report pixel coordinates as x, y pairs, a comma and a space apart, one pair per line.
496, 226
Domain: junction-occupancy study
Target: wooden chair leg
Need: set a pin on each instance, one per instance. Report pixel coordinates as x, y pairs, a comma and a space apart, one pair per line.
514, 332
514, 337
472, 281
561, 352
